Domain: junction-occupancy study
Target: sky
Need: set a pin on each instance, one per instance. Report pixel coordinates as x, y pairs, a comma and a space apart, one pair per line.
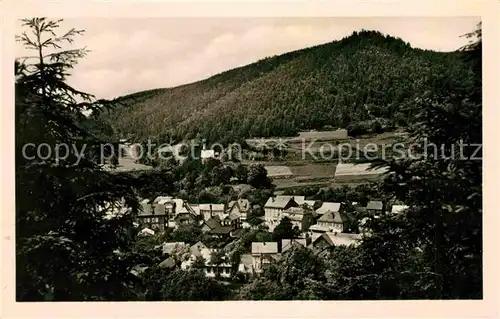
128, 55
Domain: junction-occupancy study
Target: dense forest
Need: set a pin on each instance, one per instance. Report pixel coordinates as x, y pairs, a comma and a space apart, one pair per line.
366, 79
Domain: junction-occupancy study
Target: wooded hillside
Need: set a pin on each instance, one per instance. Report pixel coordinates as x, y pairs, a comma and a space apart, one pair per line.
366, 79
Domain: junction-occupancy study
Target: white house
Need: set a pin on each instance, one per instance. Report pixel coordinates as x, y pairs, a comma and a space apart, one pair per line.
240, 207
329, 222
274, 207
211, 270
263, 254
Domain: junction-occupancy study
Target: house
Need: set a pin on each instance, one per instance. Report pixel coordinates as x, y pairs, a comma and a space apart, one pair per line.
214, 227
300, 200
185, 218
263, 253
210, 210
375, 207
196, 248
151, 218
328, 240
246, 264
232, 220
398, 209
287, 244
300, 217
210, 224
241, 207
274, 208
223, 269
329, 222
329, 207
162, 211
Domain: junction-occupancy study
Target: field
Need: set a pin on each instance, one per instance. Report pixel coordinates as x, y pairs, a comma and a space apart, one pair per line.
317, 165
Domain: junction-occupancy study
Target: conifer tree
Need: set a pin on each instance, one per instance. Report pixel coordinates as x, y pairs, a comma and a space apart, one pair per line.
67, 246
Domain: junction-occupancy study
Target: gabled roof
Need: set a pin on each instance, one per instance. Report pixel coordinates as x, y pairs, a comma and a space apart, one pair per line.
233, 216
286, 244
264, 248
375, 205
338, 239
331, 217
196, 248
328, 207
243, 204
213, 222
280, 201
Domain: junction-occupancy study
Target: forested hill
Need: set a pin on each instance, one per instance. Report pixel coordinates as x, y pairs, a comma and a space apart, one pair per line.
364, 78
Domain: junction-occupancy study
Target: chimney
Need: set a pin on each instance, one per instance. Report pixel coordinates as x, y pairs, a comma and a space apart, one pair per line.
211, 215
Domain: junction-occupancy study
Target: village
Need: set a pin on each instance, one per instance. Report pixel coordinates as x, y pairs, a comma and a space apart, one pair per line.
320, 170
319, 226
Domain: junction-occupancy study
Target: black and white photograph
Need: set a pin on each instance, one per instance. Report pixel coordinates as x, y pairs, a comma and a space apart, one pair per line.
248, 158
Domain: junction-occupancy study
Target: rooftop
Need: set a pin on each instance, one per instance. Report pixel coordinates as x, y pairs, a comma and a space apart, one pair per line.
286, 244
281, 201
264, 248
328, 207
340, 239
331, 217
